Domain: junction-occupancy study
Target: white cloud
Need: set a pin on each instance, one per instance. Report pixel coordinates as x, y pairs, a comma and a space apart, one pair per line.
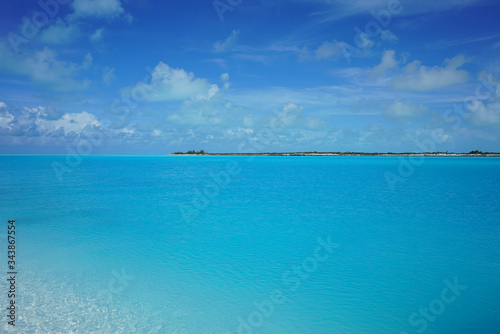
225, 79
388, 62
228, 43
97, 35
363, 41
5, 118
315, 123
292, 116
108, 75
87, 61
484, 115
405, 110
422, 78
36, 122
125, 131
287, 116
129, 18
69, 29
46, 70
329, 49
201, 112
2, 105
173, 84
60, 33
337, 48
71, 122
98, 8
388, 36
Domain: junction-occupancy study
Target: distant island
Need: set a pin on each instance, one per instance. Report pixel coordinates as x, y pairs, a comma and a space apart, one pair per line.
475, 153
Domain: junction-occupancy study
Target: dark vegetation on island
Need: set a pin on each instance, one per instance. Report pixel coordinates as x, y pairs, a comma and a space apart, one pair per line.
475, 153
202, 152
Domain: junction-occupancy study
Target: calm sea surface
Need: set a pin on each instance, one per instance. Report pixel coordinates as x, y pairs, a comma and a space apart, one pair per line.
271, 245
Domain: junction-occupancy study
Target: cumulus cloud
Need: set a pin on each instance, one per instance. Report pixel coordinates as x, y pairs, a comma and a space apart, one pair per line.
60, 33
174, 84
225, 79
217, 111
212, 109
224, 46
5, 117
72, 122
288, 115
292, 115
329, 49
71, 28
388, 62
404, 110
37, 122
200, 113
421, 78
312, 123
97, 35
482, 114
198, 119
388, 36
363, 41
46, 70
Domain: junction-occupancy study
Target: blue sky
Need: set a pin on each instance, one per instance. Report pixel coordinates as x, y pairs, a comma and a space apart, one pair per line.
154, 77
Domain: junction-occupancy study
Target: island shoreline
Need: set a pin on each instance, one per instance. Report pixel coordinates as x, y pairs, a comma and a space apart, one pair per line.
348, 154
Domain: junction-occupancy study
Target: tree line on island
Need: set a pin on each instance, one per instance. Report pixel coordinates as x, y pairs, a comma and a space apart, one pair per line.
202, 152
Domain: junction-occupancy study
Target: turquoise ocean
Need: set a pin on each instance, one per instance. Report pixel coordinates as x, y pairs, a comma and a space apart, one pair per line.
271, 245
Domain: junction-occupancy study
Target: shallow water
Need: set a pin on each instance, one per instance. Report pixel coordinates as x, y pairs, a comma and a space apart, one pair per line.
208, 244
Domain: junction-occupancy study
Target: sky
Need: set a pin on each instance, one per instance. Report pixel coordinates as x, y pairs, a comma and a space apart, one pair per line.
156, 77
